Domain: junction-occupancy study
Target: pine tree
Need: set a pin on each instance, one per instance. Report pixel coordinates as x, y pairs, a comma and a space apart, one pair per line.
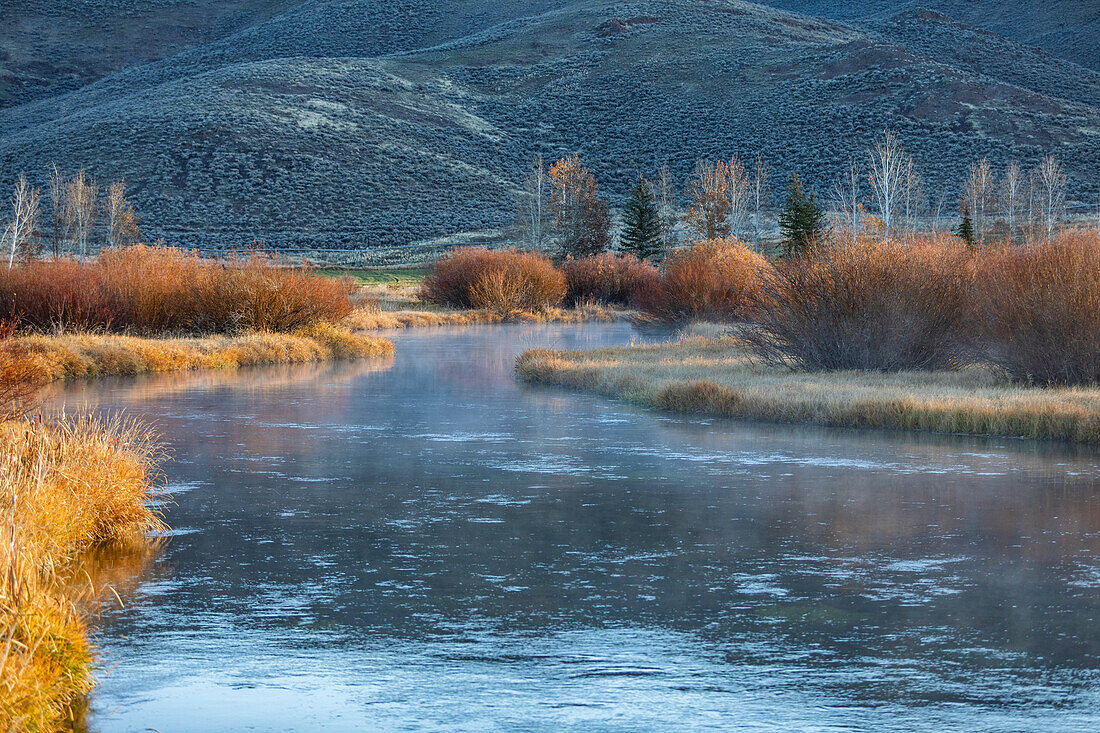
965, 230
802, 220
641, 222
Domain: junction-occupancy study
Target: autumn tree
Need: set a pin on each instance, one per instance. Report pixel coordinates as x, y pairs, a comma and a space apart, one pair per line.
708, 191
121, 222
641, 222
581, 217
24, 220
801, 221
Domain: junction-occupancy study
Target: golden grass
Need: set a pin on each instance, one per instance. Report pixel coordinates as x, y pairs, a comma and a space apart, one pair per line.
71, 355
65, 487
716, 376
385, 307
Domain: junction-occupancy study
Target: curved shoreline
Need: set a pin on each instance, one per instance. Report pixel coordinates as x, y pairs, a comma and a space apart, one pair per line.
714, 376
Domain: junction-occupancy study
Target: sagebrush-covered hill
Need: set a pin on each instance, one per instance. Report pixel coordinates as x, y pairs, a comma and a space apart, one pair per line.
352, 123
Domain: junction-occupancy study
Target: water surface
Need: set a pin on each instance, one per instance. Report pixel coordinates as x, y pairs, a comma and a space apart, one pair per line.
424, 543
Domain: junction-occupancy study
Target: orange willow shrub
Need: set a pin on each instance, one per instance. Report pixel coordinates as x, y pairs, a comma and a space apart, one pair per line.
716, 280
156, 290
609, 278
1038, 309
867, 305
506, 281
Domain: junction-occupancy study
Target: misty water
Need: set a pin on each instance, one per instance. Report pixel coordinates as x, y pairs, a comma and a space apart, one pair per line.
425, 543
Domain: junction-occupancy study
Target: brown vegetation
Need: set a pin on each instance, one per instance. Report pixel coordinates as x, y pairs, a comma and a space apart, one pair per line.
717, 280
1038, 309
866, 305
609, 279
156, 290
507, 282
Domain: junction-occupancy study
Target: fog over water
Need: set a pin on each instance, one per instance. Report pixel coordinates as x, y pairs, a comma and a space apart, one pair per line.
424, 542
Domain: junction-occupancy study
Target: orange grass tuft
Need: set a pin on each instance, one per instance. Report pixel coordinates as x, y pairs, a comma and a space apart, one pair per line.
65, 487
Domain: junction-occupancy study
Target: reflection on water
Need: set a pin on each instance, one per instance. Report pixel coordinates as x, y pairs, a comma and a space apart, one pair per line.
428, 544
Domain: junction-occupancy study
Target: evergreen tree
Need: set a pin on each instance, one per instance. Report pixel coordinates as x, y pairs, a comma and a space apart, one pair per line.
965, 230
802, 220
641, 222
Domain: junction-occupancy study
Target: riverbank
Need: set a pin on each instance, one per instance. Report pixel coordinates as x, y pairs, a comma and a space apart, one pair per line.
65, 488
717, 377
74, 355
384, 306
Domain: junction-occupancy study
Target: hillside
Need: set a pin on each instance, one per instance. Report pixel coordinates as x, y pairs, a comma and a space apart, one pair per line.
322, 126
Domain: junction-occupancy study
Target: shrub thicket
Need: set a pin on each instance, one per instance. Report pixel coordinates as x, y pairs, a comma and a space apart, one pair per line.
1038, 309
156, 290
717, 280
507, 281
866, 305
610, 279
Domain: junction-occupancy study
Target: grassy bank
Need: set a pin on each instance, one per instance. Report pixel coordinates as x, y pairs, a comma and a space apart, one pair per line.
65, 488
717, 377
71, 355
400, 306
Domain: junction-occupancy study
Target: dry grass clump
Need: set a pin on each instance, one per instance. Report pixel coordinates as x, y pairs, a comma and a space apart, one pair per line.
609, 279
72, 355
866, 305
506, 282
720, 377
65, 487
714, 280
1038, 309
158, 290
20, 376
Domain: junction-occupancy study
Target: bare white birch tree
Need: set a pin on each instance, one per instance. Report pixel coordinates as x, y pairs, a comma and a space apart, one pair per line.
57, 209
665, 194
81, 195
888, 166
978, 193
847, 195
1051, 193
915, 200
24, 204
533, 203
121, 222
740, 196
1011, 195
759, 198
